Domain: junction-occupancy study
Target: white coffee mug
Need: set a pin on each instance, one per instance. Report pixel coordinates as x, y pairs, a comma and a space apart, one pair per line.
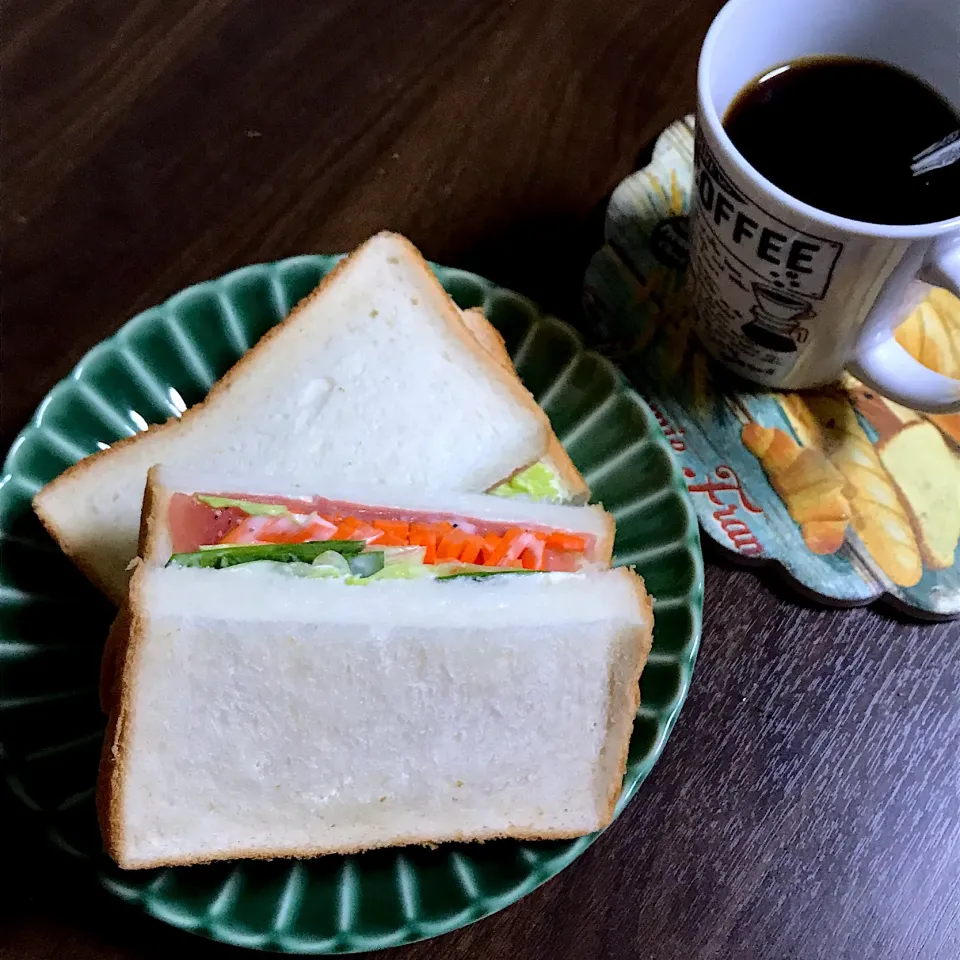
788, 295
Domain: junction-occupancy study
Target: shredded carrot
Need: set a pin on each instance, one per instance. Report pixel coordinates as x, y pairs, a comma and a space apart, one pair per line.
248, 531
353, 529
566, 541
289, 530
519, 546
396, 533
491, 542
371, 534
283, 536
471, 548
532, 557
441, 540
388, 540
279, 533
499, 555
423, 535
346, 528
450, 545
316, 528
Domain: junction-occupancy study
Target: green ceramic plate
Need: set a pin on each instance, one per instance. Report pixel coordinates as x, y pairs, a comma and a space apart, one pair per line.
52, 624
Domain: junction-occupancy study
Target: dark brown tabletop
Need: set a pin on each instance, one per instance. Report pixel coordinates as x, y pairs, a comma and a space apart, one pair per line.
808, 802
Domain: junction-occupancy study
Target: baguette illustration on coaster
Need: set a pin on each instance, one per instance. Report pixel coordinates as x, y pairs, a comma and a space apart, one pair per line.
916, 452
374, 377
814, 491
927, 476
931, 333
902, 490
900, 493
948, 424
827, 421
365, 668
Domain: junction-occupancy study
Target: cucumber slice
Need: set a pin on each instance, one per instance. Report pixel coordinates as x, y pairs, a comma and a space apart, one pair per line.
228, 556
366, 564
481, 574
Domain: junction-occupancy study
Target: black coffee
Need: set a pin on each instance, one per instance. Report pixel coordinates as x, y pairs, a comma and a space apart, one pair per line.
840, 133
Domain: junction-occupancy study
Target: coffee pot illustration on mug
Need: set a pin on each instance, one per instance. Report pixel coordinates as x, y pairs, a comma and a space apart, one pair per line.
775, 319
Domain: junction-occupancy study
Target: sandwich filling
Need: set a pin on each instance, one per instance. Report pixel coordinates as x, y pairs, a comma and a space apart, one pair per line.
538, 482
320, 537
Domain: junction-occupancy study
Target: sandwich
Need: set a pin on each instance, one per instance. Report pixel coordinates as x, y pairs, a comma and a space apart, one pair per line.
459, 668
375, 377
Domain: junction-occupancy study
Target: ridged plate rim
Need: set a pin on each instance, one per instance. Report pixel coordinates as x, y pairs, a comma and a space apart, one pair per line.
149, 897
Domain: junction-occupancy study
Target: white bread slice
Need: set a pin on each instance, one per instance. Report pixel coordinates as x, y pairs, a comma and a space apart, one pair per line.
573, 488
374, 377
927, 475
162, 482
266, 716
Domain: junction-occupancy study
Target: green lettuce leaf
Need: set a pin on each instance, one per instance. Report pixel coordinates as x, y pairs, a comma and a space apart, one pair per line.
342, 559
229, 555
538, 482
247, 506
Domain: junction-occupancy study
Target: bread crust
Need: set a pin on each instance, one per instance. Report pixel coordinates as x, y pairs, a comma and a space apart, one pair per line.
643, 641
110, 774
605, 542
489, 336
151, 544
154, 541
574, 485
219, 392
556, 456
306, 853
112, 659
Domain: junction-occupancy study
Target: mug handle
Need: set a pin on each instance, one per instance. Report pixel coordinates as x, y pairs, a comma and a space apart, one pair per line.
887, 368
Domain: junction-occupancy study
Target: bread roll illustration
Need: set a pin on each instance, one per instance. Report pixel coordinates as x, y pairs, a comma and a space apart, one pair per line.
811, 489
927, 475
827, 422
948, 424
931, 334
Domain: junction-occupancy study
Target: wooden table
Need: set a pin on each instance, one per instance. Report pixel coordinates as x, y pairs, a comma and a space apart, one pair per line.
808, 803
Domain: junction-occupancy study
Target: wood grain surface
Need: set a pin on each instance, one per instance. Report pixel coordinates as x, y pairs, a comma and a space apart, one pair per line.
808, 803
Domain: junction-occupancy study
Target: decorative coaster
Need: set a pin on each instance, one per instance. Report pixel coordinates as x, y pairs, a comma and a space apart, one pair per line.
855, 496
